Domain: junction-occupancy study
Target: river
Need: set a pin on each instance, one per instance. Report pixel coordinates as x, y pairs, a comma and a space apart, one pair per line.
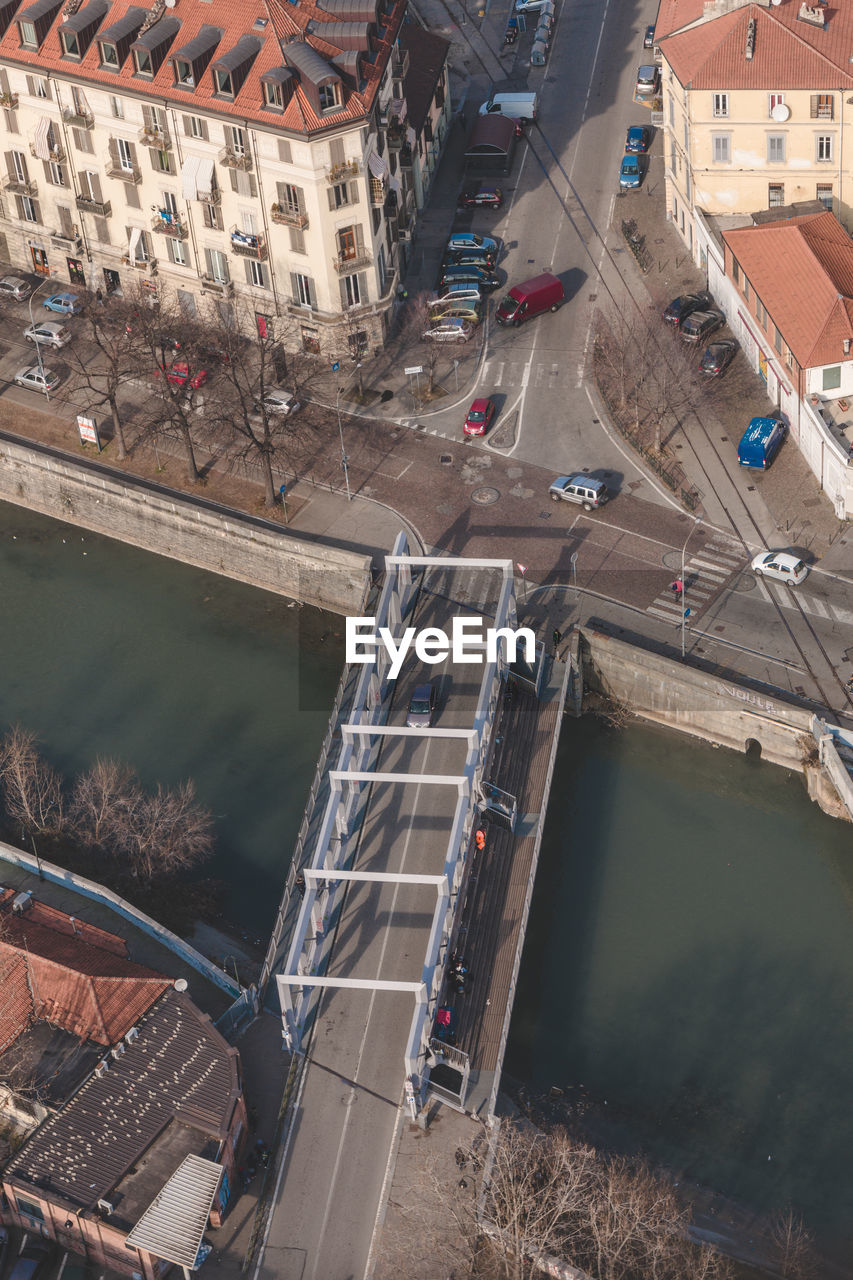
688, 956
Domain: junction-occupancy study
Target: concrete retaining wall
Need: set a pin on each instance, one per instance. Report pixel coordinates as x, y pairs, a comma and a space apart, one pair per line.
705, 706
182, 527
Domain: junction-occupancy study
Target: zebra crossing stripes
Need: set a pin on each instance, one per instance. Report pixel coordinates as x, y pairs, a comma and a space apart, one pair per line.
809, 603
705, 572
523, 373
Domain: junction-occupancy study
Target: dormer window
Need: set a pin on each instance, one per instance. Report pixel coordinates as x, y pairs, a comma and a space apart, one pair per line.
191, 61
223, 84
151, 46
230, 71
70, 44
35, 21
109, 55
142, 62
28, 35
330, 97
184, 73
77, 30
273, 96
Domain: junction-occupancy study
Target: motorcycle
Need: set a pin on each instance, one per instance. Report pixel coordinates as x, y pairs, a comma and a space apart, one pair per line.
511, 33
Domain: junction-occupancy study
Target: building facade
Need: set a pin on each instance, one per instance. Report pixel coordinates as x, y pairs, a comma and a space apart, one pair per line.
232, 151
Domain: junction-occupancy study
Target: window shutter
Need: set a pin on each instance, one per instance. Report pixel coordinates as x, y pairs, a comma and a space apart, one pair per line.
294, 287
233, 174
208, 262
154, 156
336, 151
31, 86
814, 102
253, 186
311, 294
10, 166
132, 196
95, 184
47, 174
285, 153
344, 298
353, 193
362, 288
204, 133
331, 195
148, 117
11, 121
297, 240
300, 199
250, 279
102, 230
188, 127
131, 149
281, 193
359, 239
113, 148
37, 211
65, 223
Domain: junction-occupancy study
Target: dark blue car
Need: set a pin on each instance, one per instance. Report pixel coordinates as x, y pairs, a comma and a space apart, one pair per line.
638, 139
630, 173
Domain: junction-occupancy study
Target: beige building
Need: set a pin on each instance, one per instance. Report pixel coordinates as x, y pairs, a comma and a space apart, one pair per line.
757, 107
231, 150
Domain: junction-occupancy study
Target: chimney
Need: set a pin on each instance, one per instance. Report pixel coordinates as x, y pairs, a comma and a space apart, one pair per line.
846, 346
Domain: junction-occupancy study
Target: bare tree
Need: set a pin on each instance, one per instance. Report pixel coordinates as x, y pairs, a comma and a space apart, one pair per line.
418, 321
164, 832
793, 1246
102, 375
32, 789
356, 337
101, 803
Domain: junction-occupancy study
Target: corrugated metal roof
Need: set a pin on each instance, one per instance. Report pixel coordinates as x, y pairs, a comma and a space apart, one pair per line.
246, 48
127, 25
205, 42
173, 1224
91, 14
307, 60
158, 33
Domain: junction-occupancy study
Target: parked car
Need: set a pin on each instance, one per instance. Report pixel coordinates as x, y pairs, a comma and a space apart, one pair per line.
528, 6
460, 241
15, 287
457, 292
485, 198
515, 106
32, 1261
481, 277
580, 488
638, 139
648, 79
64, 304
34, 379
717, 356
421, 707
479, 418
699, 324
649, 37
524, 301
469, 258
449, 331
179, 375
630, 173
49, 333
760, 443
277, 400
784, 566
680, 308
469, 311
538, 53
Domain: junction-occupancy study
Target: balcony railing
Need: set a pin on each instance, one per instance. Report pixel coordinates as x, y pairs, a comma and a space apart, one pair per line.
79, 119
221, 287
68, 244
345, 264
159, 138
171, 226
102, 208
213, 196
54, 153
338, 172
115, 169
235, 159
288, 217
16, 187
148, 266
248, 246
9, 100
378, 191
399, 62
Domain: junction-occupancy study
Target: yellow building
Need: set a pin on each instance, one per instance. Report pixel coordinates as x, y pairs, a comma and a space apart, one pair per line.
757, 107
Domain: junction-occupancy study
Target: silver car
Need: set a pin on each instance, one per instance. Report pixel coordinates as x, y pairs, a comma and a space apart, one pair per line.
34, 379
277, 400
648, 80
456, 330
421, 707
15, 287
49, 333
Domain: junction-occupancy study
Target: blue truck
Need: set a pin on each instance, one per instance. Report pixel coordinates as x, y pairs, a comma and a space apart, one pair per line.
760, 442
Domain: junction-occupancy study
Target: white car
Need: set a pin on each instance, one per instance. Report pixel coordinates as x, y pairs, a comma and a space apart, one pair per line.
51, 333
529, 6
277, 400
784, 566
35, 379
454, 330
15, 287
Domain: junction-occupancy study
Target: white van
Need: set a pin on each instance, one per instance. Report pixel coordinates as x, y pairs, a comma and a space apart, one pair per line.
517, 106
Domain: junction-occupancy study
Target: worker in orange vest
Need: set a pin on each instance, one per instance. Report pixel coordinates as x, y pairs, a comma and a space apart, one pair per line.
480, 838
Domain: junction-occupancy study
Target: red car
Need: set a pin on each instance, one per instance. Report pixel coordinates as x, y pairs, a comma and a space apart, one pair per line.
479, 418
179, 375
488, 197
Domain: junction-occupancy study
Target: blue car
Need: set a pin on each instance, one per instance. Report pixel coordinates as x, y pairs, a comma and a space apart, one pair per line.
64, 304
630, 173
638, 139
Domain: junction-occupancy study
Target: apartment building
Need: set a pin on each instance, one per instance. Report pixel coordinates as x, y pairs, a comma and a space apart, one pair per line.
231, 149
757, 107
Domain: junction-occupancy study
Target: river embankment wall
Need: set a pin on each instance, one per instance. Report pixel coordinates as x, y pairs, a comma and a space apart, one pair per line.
181, 526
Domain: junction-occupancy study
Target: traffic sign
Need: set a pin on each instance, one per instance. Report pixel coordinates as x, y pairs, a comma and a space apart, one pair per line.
415, 368
336, 364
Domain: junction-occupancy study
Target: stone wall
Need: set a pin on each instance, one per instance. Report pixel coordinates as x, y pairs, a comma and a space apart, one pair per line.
181, 526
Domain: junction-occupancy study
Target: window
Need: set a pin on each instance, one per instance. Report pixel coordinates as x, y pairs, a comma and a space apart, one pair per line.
746, 289
338, 195
273, 96
777, 340
776, 148
235, 139
303, 290
83, 140
169, 203
161, 161
90, 185
760, 312
256, 274
70, 44
789, 357
722, 144
832, 378
195, 127
55, 174
177, 252
285, 152
31, 1209
735, 270
775, 195
290, 198
686, 138
336, 152
822, 106
117, 107
672, 113
28, 209
211, 216
142, 62
184, 73
720, 104
774, 100
311, 340
823, 146
222, 83
351, 291
28, 35
297, 240
124, 152
41, 88
329, 97
18, 167
217, 265
824, 194
109, 55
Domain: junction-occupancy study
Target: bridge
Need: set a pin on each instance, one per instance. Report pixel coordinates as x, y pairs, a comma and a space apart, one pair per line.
387, 885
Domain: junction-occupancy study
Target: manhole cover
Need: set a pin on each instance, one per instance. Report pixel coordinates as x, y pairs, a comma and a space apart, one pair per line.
445, 458
485, 495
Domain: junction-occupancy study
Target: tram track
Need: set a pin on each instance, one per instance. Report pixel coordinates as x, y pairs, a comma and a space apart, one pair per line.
744, 519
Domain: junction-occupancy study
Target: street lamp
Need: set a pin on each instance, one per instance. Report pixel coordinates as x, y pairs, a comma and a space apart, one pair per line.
37, 343
343, 450
697, 520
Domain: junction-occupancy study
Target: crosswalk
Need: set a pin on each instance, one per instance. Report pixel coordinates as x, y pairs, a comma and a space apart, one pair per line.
525, 373
805, 600
705, 572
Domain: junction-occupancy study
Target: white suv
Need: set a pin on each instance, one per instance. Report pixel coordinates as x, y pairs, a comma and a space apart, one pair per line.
582, 489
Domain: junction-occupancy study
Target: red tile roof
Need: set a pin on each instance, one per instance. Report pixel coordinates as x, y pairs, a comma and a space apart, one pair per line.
79, 980
235, 18
789, 54
810, 300
16, 1008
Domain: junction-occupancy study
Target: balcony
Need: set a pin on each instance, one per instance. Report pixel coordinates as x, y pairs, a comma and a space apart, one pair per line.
248, 246
115, 169
405, 157
66, 244
338, 172
102, 208
288, 217
160, 139
399, 62
9, 100
54, 153
345, 264
145, 267
378, 191
221, 288
169, 226
79, 119
396, 136
213, 196
16, 187
235, 159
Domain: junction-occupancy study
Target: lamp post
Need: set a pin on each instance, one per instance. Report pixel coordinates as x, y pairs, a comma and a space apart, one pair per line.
38, 344
343, 450
696, 521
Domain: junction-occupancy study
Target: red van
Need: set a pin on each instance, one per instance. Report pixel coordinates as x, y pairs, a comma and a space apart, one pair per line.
542, 293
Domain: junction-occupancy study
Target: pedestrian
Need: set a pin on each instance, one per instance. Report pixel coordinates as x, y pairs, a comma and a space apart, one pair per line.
677, 588
558, 635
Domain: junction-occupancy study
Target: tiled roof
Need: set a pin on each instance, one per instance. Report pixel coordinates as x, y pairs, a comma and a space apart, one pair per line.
77, 980
16, 1007
178, 1070
810, 299
789, 53
281, 23
427, 56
